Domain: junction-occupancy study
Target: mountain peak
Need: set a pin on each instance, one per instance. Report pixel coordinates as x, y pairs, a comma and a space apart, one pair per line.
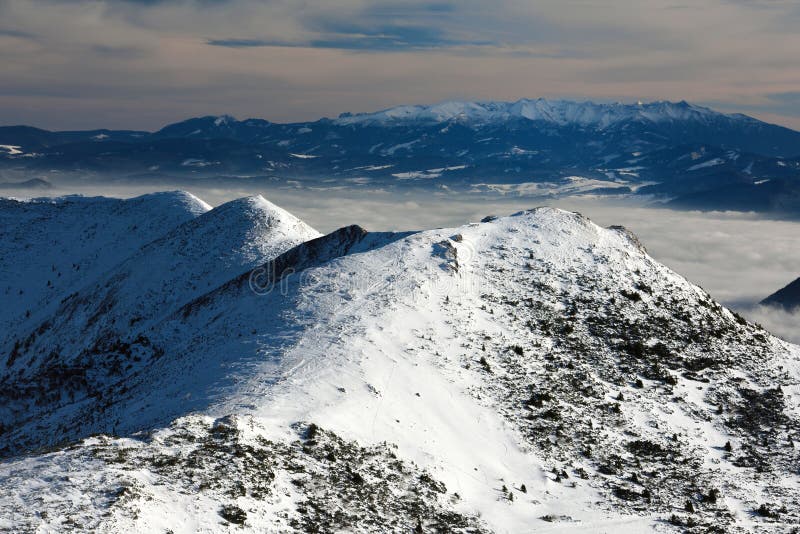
257, 210
178, 198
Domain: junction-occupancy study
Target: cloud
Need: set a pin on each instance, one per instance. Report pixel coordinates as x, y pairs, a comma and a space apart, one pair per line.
277, 60
384, 39
782, 103
384, 27
245, 43
5, 32
789, 98
119, 52
784, 324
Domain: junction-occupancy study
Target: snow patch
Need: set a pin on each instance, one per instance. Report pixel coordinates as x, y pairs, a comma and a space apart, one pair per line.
710, 163
12, 150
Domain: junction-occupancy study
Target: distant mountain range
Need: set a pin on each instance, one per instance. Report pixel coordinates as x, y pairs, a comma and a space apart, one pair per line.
687, 155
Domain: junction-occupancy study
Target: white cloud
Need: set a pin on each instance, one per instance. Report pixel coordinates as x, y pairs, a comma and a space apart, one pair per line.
783, 324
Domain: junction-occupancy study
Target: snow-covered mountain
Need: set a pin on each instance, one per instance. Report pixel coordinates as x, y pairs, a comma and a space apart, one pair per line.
698, 157
242, 372
99, 333
558, 112
51, 247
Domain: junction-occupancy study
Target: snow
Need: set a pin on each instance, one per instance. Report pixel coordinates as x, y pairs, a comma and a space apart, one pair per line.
70, 241
426, 174
629, 171
372, 167
560, 112
706, 164
402, 146
448, 168
194, 162
224, 120
12, 150
516, 151
376, 338
414, 175
193, 258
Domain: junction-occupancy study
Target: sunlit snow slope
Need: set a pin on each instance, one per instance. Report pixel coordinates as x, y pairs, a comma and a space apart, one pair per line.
526, 373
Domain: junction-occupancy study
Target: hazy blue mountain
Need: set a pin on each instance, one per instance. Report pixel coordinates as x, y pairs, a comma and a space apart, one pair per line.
33, 183
787, 297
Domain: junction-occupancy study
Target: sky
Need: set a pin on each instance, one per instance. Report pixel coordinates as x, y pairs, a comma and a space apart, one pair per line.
140, 64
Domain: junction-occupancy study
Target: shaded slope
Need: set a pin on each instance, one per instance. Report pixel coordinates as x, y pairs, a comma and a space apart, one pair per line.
98, 363
49, 248
787, 297
100, 334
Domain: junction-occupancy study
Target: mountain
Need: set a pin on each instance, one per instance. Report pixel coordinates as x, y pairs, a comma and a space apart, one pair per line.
30, 139
787, 297
560, 112
670, 151
34, 183
212, 127
526, 372
101, 330
51, 247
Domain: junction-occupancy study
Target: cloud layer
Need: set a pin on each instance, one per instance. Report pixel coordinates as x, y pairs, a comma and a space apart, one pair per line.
140, 64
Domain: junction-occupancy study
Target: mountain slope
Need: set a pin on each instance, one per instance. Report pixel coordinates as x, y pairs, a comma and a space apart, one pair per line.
100, 334
787, 297
501, 376
50, 247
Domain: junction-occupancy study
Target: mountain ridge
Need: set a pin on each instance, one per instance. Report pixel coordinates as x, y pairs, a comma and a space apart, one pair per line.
555, 111
547, 109
525, 370
107, 321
